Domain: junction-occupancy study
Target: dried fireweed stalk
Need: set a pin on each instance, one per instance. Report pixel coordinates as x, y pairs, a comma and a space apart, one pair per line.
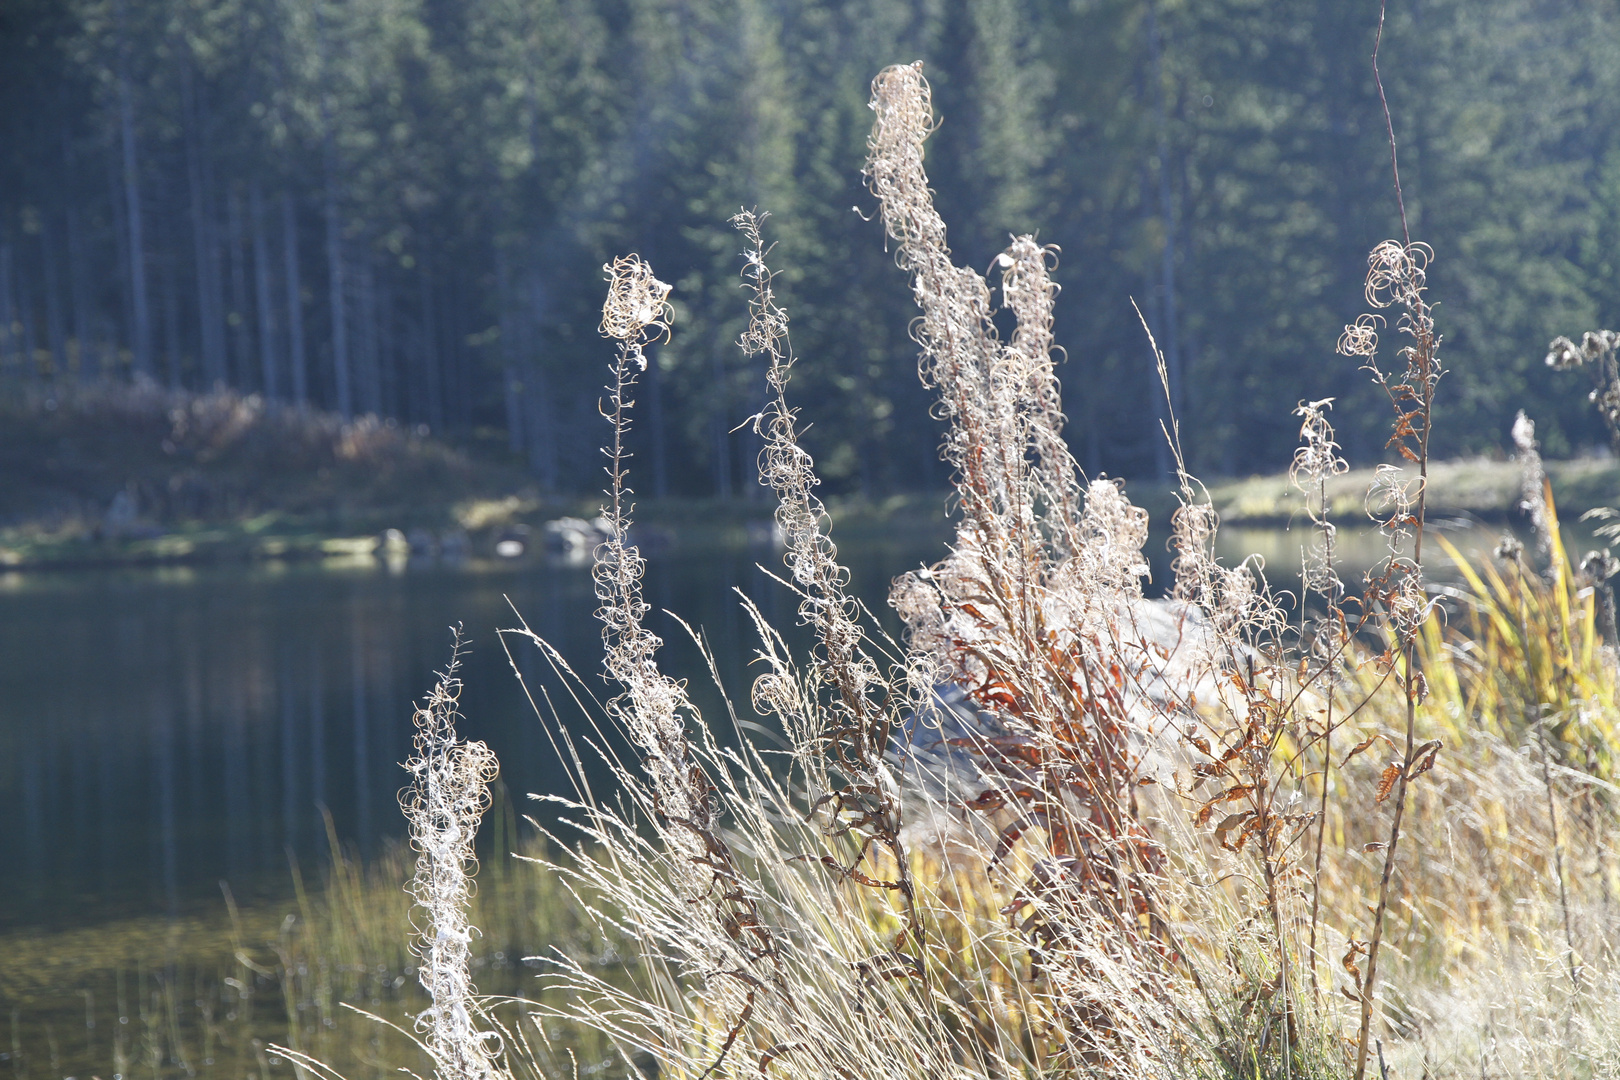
446, 799
1325, 638
1599, 352
1036, 616
1533, 487
866, 800
732, 949
1397, 277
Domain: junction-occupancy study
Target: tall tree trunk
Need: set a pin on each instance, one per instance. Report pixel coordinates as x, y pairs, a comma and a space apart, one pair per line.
336, 293
1167, 216
55, 321
388, 395
25, 315
428, 369
269, 375
111, 360
142, 321
370, 383
512, 381
210, 337
459, 399
1162, 462
336, 300
8, 312
80, 286
540, 400
237, 320
295, 302
171, 322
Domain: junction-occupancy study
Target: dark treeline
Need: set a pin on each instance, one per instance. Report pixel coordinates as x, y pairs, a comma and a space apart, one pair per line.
401, 207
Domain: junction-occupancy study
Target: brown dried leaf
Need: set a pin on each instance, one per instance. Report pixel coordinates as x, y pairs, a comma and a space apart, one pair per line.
1229, 823
1423, 758
1363, 744
1357, 948
1386, 782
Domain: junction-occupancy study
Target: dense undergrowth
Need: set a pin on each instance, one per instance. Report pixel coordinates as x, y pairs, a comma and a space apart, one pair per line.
70, 449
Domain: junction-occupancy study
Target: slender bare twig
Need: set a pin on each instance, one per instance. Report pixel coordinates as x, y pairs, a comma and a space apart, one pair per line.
1389, 124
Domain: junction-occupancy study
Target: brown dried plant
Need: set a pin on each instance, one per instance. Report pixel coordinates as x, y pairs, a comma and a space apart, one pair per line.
853, 730
1257, 724
1397, 277
752, 950
1324, 639
1030, 613
1599, 352
1063, 830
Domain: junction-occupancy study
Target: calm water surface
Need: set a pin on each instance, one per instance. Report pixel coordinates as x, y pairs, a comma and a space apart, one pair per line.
162, 731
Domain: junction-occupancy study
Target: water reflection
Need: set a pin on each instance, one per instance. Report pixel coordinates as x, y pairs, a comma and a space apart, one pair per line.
161, 731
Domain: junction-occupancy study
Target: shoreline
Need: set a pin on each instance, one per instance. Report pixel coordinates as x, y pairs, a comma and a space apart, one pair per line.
487, 528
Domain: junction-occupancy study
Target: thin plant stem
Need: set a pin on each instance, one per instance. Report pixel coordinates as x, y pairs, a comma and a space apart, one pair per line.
1389, 125
1422, 364
1558, 851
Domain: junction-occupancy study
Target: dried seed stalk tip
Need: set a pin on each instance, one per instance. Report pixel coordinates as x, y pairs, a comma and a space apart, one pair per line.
636, 302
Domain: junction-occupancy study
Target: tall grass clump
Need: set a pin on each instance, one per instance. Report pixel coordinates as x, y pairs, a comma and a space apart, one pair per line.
1060, 828
974, 852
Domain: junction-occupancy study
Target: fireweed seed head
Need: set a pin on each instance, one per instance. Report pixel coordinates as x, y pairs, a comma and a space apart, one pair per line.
636, 301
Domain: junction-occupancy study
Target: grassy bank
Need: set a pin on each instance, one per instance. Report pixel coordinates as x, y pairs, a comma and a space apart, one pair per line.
1482, 488
203, 995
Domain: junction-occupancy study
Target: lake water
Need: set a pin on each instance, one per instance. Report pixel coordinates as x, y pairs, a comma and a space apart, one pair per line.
162, 731
166, 731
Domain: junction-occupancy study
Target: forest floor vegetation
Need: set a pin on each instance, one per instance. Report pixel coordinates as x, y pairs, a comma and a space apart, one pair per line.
107, 473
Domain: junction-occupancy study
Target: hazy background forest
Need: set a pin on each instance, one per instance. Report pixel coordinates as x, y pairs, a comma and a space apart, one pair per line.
401, 207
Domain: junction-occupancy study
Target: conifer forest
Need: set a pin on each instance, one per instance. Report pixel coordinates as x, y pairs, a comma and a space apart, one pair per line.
401, 207
1152, 618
